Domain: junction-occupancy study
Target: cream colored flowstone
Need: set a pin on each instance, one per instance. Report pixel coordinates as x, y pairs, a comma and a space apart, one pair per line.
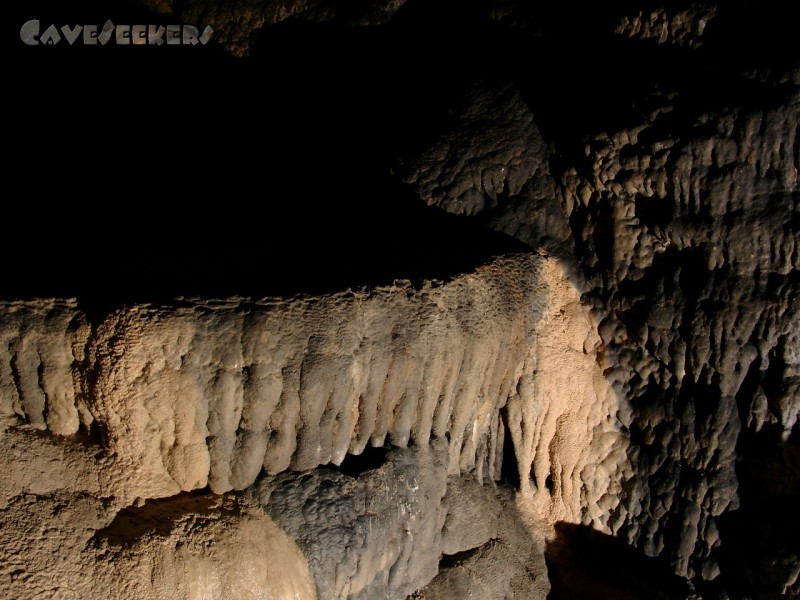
213, 393
572, 456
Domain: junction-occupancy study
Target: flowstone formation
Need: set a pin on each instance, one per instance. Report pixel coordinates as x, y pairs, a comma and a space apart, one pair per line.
462, 315
255, 395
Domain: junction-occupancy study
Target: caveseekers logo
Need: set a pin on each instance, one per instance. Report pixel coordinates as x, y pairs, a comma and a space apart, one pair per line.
122, 35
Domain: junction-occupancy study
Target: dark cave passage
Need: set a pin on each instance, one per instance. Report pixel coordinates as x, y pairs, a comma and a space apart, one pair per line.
354, 465
318, 241
584, 563
197, 174
509, 473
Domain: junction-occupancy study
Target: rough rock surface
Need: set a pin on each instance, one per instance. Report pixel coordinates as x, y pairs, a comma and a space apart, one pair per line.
215, 393
492, 162
388, 531
703, 301
680, 27
75, 524
375, 535
684, 222
210, 393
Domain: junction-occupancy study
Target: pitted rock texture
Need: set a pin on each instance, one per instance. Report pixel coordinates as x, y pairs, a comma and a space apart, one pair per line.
66, 531
374, 536
691, 246
684, 222
493, 163
214, 393
505, 561
211, 392
666, 25
703, 297
203, 547
386, 532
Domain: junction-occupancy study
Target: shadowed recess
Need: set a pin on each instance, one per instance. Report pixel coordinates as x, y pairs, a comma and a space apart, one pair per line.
158, 517
290, 152
584, 563
355, 465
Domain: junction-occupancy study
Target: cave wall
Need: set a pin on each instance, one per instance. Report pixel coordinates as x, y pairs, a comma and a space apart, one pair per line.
489, 379
550, 313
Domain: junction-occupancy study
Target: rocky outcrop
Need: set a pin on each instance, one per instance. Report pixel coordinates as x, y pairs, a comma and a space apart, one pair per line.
70, 529
386, 532
377, 534
669, 26
684, 223
215, 393
492, 163
701, 300
209, 393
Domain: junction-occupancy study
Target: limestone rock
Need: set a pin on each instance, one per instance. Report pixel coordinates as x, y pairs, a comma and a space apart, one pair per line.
681, 27
209, 393
683, 212
213, 393
378, 535
67, 531
492, 163
400, 527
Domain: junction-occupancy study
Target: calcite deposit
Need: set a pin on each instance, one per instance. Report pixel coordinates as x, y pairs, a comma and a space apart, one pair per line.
215, 396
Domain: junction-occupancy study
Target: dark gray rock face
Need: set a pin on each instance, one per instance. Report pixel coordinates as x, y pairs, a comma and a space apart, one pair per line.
378, 535
683, 213
493, 163
381, 532
698, 283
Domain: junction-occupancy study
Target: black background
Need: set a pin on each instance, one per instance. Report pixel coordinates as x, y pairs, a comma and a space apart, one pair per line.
142, 173
139, 173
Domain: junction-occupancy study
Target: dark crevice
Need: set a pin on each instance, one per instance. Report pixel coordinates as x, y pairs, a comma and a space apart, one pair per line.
355, 465
654, 212
774, 380
449, 561
758, 540
584, 563
16, 377
158, 517
509, 471
603, 235
40, 382
92, 434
